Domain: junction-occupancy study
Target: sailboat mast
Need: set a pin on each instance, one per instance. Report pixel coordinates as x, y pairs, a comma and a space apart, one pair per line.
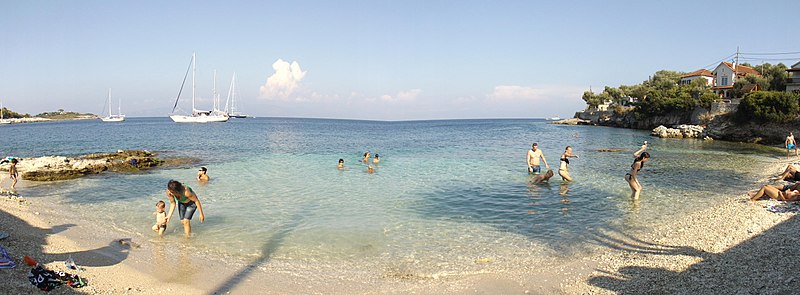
109, 102
194, 69
233, 95
214, 91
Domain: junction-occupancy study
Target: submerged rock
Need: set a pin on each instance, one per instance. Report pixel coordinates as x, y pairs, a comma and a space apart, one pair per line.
573, 121
51, 168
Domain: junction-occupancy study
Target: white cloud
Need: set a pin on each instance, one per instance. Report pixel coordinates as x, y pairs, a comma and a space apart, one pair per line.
284, 81
512, 92
402, 96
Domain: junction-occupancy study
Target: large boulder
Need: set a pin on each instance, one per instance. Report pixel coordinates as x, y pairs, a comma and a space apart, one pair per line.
680, 131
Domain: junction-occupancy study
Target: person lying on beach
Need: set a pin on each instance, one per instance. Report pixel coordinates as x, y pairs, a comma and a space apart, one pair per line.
639, 158
202, 175
187, 202
161, 218
789, 174
539, 178
341, 164
787, 192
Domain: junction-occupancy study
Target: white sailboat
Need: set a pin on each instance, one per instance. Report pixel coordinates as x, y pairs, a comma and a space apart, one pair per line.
197, 116
3, 120
230, 105
119, 117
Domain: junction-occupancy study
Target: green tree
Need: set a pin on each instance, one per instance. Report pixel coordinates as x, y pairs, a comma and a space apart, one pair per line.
11, 114
774, 75
763, 84
769, 106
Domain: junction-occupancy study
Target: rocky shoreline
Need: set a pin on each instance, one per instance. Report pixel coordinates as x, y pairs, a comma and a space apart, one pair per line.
699, 123
51, 168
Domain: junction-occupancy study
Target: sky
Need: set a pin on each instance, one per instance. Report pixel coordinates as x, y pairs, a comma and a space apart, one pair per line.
372, 60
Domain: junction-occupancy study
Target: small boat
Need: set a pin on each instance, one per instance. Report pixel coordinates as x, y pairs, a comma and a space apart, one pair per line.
197, 116
556, 118
119, 117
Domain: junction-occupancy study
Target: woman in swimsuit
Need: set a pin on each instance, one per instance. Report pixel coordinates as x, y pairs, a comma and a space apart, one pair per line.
562, 170
640, 157
187, 203
785, 193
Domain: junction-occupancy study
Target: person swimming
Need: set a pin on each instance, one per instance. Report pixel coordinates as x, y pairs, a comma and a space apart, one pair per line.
539, 178
202, 174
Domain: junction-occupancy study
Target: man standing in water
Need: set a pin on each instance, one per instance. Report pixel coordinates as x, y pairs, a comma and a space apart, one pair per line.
533, 159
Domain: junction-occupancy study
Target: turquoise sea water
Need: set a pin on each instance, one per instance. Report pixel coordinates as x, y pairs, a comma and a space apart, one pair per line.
446, 194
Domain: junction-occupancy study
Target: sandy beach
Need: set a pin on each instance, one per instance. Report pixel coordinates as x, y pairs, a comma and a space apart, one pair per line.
734, 247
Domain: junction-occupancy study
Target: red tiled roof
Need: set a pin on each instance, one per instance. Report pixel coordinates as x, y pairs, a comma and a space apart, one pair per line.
701, 72
743, 70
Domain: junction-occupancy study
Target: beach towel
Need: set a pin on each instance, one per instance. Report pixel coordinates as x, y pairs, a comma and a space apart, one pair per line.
783, 207
5, 259
47, 280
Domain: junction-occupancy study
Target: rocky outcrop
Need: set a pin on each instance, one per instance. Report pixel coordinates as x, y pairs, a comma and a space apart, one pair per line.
572, 121
719, 126
752, 132
680, 131
60, 168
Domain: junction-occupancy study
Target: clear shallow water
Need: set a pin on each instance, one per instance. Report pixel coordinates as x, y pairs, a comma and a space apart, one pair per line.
446, 194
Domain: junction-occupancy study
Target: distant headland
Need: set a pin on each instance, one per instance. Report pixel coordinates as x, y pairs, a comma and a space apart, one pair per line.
9, 116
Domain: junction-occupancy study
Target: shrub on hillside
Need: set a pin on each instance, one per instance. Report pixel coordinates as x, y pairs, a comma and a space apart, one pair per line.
769, 106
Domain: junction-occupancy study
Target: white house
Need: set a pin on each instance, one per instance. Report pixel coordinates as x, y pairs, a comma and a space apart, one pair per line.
725, 74
794, 78
599, 108
699, 74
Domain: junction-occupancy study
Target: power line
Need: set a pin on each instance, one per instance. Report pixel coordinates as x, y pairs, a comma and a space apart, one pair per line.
769, 59
770, 53
719, 61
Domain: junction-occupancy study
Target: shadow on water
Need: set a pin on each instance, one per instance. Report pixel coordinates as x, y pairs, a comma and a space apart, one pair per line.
765, 264
549, 213
268, 249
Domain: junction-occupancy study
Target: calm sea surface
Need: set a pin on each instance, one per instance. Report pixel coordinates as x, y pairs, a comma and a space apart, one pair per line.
447, 197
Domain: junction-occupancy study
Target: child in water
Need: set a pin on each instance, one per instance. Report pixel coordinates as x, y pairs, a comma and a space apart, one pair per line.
161, 218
